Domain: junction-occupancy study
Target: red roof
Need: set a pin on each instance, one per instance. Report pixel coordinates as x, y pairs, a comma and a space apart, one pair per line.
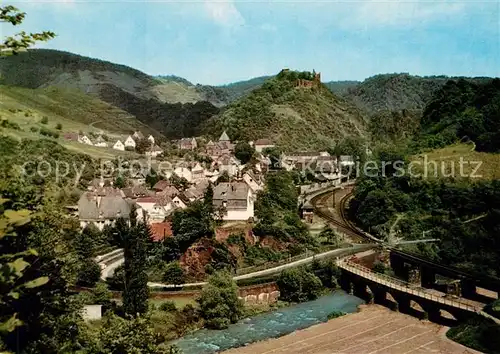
146, 200
160, 230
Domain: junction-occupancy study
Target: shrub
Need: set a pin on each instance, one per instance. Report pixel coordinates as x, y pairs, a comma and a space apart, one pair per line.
173, 274
44, 120
219, 302
89, 273
59, 126
379, 267
335, 314
168, 306
34, 129
298, 285
117, 280
129, 148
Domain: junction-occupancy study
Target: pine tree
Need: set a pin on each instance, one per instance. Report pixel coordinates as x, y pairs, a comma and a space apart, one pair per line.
136, 292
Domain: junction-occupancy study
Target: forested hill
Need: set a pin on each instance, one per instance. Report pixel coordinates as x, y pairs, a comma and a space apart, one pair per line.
463, 110
294, 117
395, 92
169, 107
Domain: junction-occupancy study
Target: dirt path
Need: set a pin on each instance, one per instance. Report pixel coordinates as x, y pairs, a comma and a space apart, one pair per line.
375, 329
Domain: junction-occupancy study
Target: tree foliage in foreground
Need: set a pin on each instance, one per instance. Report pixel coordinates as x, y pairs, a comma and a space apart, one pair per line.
22, 40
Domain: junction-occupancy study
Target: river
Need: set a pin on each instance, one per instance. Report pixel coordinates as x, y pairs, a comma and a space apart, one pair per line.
268, 325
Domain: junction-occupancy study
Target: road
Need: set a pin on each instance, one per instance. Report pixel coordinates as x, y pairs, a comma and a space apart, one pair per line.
108, 271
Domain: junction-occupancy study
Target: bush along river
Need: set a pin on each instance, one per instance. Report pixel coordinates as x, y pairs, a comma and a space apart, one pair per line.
268, 325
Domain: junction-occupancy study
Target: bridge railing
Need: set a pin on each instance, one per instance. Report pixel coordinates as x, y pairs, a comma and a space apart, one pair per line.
402, 285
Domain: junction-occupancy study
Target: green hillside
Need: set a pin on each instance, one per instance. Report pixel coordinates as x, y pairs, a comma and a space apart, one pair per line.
463, 110
294, 117
71, 108
395, 92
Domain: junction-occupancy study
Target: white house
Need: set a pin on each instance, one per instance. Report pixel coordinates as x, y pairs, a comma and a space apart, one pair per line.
130, 142
102, 207
100, 142
229, 164
119, 146
84, 140
151, 139
180, 202
262, 144
198, 171
184, 172
237, 200
137, 135
157, 207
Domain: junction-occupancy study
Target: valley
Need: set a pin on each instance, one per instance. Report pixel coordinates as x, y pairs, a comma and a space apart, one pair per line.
146, 213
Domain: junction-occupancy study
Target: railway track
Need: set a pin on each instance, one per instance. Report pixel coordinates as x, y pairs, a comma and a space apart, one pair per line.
344, 225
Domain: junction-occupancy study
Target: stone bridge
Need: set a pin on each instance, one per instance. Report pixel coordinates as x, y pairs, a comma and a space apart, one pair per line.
401, 296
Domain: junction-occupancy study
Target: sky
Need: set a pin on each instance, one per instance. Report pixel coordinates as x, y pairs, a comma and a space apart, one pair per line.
221, 41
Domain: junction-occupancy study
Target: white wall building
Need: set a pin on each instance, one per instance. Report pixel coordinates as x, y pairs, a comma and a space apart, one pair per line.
130, 142
262, 144
119, 146
151, 139
237, 200
85, 140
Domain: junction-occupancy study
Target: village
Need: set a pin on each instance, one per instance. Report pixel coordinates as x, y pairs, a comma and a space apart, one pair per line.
235, 184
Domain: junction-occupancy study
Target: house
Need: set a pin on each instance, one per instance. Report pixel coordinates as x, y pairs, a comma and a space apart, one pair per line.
119, 146
307, 212
180, 201
197, 191
100, 142
255, 182
154, 151
198, 172
262, 144
161, 230
326, 167
184, 172
101, 182
346, 160
136, 192
229, 164
237, 200
137, 135
169, 191
137, 177
151, 140
83, 139
157, 207
161, 185
187, 144
102, 207
130, 142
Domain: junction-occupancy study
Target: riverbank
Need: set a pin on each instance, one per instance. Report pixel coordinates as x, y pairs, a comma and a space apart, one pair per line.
373, 329
268, 325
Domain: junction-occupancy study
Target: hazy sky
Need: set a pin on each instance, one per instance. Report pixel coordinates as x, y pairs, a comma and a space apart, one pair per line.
217, 42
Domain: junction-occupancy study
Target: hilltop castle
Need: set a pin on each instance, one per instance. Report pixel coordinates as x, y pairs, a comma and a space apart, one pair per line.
315, 82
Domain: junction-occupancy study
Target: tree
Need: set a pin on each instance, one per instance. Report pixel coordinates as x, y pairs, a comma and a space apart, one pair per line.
89, 274
12, 267
122, 336
298, 285
330, 235
136, 292
219, 303
45, 120
119, 182
142, 145
179, 182
59, 126
21, 41
223, 178
274, 155
243, 151
173, 274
